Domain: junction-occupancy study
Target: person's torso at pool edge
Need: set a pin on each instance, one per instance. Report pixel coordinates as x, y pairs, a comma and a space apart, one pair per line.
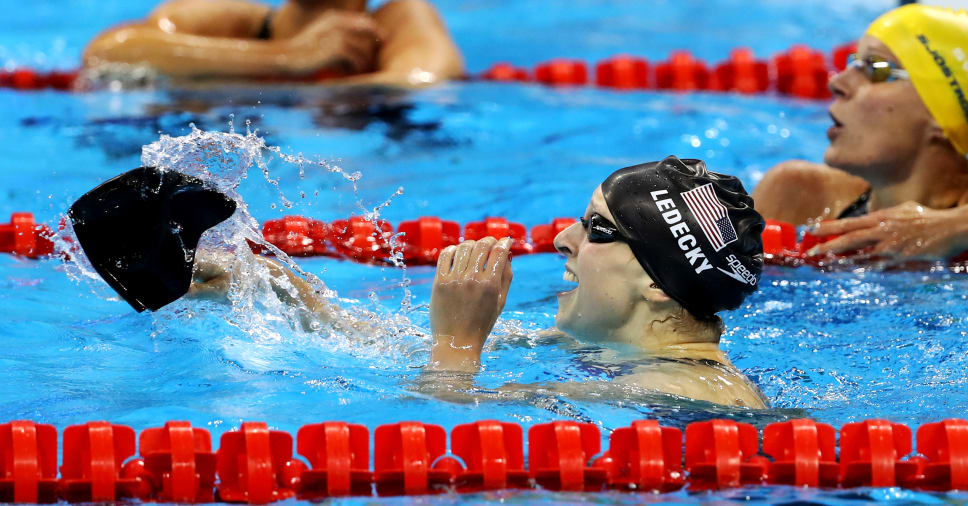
403, 42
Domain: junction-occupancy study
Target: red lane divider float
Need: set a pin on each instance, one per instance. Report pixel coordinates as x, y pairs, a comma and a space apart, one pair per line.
800, 72
93, 468
25, 238
339, 456
742, 73
494, 454
722, 454
177, 463
27, 79
404, 458
682, 72
644, 457
623, 72
28, 469
559, 454
255, 464
803, 453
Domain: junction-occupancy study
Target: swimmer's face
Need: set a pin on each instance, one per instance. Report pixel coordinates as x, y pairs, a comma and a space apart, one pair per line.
610, 280
879, 128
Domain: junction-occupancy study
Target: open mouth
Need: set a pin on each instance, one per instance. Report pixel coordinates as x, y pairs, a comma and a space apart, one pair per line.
833, 118
570, 277
834, 131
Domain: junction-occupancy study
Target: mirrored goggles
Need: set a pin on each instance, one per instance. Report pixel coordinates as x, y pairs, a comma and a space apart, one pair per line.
600, 230
877, 69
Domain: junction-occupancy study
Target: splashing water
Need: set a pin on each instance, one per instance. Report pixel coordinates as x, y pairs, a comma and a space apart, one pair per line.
257, 309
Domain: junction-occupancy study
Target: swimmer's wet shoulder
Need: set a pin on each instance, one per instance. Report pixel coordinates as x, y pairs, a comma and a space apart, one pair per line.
700, 379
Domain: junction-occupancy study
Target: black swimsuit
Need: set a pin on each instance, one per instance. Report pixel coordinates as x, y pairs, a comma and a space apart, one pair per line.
859, 207
265, 31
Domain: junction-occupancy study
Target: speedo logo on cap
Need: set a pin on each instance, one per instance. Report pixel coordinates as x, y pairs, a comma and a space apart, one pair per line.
680, 230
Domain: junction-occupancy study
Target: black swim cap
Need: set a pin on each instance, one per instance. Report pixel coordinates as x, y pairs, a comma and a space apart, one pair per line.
140, 231
694, 232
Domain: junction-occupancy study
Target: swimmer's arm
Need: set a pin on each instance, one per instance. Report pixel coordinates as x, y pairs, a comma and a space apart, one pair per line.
210, 18
186, 55
202, 41
416, 49
905, 232
212, 277
191, 38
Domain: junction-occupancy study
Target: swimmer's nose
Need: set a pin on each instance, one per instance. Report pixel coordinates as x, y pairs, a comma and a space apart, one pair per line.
566, 242
838, 84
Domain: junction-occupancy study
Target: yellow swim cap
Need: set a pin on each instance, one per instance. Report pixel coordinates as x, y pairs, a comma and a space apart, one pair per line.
932, 45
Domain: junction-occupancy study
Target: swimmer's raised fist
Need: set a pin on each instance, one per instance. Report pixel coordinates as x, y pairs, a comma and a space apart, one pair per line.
469, 292
345, 42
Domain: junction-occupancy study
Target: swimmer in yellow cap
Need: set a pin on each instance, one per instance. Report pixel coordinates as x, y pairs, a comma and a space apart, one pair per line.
895, 178
404, 42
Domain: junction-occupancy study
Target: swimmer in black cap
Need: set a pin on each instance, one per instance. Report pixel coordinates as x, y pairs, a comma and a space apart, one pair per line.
141, 229
662, 248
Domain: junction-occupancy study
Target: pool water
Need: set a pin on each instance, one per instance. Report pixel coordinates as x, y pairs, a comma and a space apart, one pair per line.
836, 347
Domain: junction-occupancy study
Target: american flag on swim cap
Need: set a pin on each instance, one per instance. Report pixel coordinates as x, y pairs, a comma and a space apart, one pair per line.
711, 215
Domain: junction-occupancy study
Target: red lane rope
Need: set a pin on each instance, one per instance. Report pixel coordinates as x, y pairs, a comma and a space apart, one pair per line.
800, 72
256, 465
417, 242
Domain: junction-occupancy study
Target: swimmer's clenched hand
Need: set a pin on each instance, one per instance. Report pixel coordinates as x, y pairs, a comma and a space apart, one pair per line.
908, 231
469, 292
346, 42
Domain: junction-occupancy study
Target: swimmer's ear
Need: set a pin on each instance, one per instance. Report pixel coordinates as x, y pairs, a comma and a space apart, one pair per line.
653, 293
936, 134
140, 231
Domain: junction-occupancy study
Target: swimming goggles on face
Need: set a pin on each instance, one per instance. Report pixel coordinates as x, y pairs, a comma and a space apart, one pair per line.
600, 230
877, 69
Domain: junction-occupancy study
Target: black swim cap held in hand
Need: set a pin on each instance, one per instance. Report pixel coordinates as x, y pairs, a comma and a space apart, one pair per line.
694, 232
140, 231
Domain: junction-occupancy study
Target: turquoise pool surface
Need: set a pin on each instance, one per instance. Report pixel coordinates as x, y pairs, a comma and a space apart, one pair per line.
836, 347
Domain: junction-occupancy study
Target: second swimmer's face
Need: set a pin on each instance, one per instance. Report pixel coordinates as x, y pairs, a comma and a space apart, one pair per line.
608, 275
878, 127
